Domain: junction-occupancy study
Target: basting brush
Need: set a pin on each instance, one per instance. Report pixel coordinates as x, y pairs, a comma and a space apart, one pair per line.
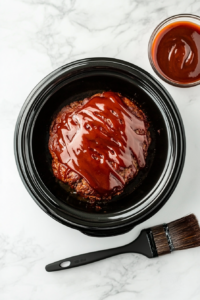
181, 234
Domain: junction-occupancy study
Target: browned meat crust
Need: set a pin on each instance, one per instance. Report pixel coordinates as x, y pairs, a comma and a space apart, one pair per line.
75, 181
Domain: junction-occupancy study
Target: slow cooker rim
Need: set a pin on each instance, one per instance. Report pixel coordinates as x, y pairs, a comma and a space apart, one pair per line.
180, 124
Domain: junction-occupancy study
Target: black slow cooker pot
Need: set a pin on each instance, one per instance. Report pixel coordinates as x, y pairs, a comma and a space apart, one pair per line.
145, 194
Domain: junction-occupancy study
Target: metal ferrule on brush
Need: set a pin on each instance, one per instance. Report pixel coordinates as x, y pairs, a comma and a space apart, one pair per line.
162, 239
168, 236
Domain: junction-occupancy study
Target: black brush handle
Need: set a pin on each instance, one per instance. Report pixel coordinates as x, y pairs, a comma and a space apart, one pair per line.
140, 245
83, 259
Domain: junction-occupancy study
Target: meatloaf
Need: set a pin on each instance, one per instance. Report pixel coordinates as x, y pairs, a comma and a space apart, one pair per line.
99, 144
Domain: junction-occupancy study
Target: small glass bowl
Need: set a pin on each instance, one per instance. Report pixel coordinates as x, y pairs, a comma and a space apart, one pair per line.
181, 17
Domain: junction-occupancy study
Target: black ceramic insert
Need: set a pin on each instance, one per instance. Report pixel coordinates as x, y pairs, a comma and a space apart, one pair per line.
144, 195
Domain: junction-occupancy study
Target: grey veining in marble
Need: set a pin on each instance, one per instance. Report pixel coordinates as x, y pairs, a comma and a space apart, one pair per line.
38, 36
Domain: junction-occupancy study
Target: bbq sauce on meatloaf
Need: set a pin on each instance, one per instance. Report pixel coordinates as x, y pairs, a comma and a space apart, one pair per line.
99, 144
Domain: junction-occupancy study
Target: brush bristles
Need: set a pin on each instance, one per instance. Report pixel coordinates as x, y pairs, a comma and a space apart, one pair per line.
185, 233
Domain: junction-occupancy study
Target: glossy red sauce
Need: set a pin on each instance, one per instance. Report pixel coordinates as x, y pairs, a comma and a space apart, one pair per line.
95, 148
176, 52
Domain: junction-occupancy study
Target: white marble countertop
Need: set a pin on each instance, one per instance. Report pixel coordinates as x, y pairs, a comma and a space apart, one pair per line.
38, 36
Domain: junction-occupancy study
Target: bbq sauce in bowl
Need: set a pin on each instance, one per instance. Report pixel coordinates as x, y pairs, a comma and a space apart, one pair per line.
175, 52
